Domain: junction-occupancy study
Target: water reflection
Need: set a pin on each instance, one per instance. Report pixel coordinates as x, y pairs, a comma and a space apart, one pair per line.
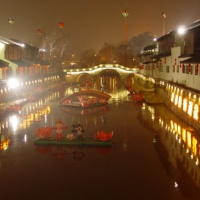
22, 121
177, 145
126, 161
63, 152
95, 115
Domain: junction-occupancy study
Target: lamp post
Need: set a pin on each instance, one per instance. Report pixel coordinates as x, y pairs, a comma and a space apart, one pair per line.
125, 15
181, 32
164, 15
11, 22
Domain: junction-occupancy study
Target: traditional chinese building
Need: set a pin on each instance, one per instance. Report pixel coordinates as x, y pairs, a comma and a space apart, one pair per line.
172, 65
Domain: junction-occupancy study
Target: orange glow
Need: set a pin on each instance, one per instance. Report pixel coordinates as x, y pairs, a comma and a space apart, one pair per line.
4, 144
179, 130
172, 97
185, 105
196, 112
184, 135
190, 106
179, 101
189, 141
61, 25
194, 146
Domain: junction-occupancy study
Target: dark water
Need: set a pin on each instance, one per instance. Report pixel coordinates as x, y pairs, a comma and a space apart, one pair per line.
144, 162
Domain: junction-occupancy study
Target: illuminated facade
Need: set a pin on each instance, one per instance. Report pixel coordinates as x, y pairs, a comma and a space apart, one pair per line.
172, 65
19, 59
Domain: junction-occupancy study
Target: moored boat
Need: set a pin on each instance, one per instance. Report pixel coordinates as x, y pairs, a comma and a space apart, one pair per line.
85, 99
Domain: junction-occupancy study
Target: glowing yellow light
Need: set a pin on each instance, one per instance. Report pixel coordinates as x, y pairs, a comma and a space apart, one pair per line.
194, 146
179, 129
179, 101
190, 108
196, 112
189, 141
184, 135
185, 105
172, 97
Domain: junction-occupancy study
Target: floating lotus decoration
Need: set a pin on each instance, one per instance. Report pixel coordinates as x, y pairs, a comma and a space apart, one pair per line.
103, 136
44, 132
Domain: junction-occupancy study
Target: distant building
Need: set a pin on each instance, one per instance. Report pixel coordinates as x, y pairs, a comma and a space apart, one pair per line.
18, 58
174, 58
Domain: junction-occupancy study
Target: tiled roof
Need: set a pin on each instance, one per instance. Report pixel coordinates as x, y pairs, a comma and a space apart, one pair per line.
3, 64
195, 59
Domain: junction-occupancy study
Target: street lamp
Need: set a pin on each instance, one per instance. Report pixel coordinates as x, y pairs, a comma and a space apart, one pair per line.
11, 22
164, 15
181, 30
125, 15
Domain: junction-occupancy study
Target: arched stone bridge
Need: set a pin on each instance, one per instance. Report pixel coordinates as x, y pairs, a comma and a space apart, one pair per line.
74, 75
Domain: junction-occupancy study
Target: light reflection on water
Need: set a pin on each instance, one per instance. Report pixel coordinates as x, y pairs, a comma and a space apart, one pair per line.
176, 144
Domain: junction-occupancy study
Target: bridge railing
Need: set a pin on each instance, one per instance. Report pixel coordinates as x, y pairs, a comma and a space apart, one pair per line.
100, 67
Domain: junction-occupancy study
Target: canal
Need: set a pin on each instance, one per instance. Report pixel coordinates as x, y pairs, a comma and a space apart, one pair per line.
150, 157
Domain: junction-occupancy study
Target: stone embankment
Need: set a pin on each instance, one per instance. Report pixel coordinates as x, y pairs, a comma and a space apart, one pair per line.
149, 94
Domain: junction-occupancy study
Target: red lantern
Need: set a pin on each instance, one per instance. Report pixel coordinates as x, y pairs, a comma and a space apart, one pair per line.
183, 68
197, 69
189, 67
39, 31
60, 24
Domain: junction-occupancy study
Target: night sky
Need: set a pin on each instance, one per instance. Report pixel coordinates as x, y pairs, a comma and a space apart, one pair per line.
91, 23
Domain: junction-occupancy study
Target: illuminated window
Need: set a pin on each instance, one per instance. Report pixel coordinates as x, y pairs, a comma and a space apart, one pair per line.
190, 108
172, 124
185, 105
172, 97
179, 130
194, 146
196, 112
189, 141
184, 135
180, 101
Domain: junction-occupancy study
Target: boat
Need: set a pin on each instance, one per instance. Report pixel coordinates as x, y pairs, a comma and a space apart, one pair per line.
129, 88
86, 98
67, 142
137, 97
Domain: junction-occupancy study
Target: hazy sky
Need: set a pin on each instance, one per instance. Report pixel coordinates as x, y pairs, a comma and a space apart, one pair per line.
91, 23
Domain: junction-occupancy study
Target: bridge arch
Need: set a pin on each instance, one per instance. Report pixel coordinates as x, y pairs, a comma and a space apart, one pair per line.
95, 72
84, 76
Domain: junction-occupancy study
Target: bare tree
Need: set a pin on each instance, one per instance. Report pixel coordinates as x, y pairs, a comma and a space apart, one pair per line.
89, 58
137, 43
107, 53
53, 48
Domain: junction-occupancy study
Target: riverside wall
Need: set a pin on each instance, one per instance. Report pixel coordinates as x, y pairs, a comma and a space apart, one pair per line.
166, 95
